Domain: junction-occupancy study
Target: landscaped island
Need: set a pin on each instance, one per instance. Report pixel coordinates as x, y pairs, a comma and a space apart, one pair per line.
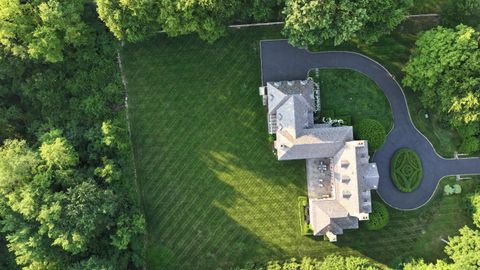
406, 170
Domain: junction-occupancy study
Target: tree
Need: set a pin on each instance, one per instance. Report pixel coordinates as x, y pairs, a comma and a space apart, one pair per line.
456, 12
129, 20
464, 249
474, 201
207, 18
17, 165
65, 197
328, 263
444, 69
73, 218
421, 265
92, 263
312, 22
58, 152
41, 29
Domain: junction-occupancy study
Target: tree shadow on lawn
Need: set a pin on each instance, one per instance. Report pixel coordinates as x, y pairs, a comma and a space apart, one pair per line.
211, 188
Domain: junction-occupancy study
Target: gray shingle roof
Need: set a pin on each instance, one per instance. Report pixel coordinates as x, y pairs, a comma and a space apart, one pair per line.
339, 195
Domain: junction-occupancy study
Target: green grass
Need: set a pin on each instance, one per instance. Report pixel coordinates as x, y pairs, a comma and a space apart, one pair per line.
214, 194
347, 92
406, 170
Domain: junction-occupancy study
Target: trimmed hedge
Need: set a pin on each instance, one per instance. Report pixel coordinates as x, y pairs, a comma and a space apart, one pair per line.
379, 217
372, 131
406, 170
304, 227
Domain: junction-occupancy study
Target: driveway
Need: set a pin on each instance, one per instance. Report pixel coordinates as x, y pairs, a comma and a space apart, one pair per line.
281, 61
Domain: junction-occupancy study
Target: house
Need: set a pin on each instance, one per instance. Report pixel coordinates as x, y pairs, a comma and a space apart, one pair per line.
339, 175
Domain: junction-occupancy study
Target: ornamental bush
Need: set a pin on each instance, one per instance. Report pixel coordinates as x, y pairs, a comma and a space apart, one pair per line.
372, 131
406, 170
379, 217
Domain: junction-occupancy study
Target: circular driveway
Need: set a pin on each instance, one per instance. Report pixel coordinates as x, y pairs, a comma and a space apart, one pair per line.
281, 62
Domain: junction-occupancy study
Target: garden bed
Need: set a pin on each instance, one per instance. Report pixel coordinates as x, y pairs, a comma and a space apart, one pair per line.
406, 170
304, 216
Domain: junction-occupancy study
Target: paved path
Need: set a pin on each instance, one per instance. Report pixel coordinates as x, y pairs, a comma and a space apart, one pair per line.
281, 61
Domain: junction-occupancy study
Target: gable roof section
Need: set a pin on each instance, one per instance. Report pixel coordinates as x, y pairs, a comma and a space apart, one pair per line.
313, 143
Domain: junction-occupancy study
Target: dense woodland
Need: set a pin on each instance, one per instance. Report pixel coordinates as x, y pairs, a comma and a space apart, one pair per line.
67, 188
67, 195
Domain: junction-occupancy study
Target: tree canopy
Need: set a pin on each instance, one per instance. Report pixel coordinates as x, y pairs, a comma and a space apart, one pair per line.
66, 197
455, 12
41, 29
474, 202
464, 249
129, 20
137, 20
207, 18
328, 263
34, 205
444, 70
313, 22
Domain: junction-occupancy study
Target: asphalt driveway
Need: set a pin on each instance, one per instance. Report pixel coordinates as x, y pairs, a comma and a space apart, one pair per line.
281, 61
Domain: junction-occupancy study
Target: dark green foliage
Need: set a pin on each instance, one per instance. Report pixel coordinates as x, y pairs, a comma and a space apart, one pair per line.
129, 20
327, 114
40, 29
379, 217
313, 22
372, 131
406, 170
470, 144
304, 227
263, 10
455, 12
328, 263
207, 18
137, 20
445, 69
66, 189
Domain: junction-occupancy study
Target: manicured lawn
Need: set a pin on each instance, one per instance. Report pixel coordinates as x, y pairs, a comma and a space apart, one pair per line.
213, 193
347, 92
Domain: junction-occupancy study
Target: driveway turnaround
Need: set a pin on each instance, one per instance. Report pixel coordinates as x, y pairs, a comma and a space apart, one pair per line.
283, 62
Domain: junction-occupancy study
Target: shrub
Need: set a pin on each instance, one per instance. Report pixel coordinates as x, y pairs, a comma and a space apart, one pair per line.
448, 190
457, 189
379, 217
406, 170
372, 131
